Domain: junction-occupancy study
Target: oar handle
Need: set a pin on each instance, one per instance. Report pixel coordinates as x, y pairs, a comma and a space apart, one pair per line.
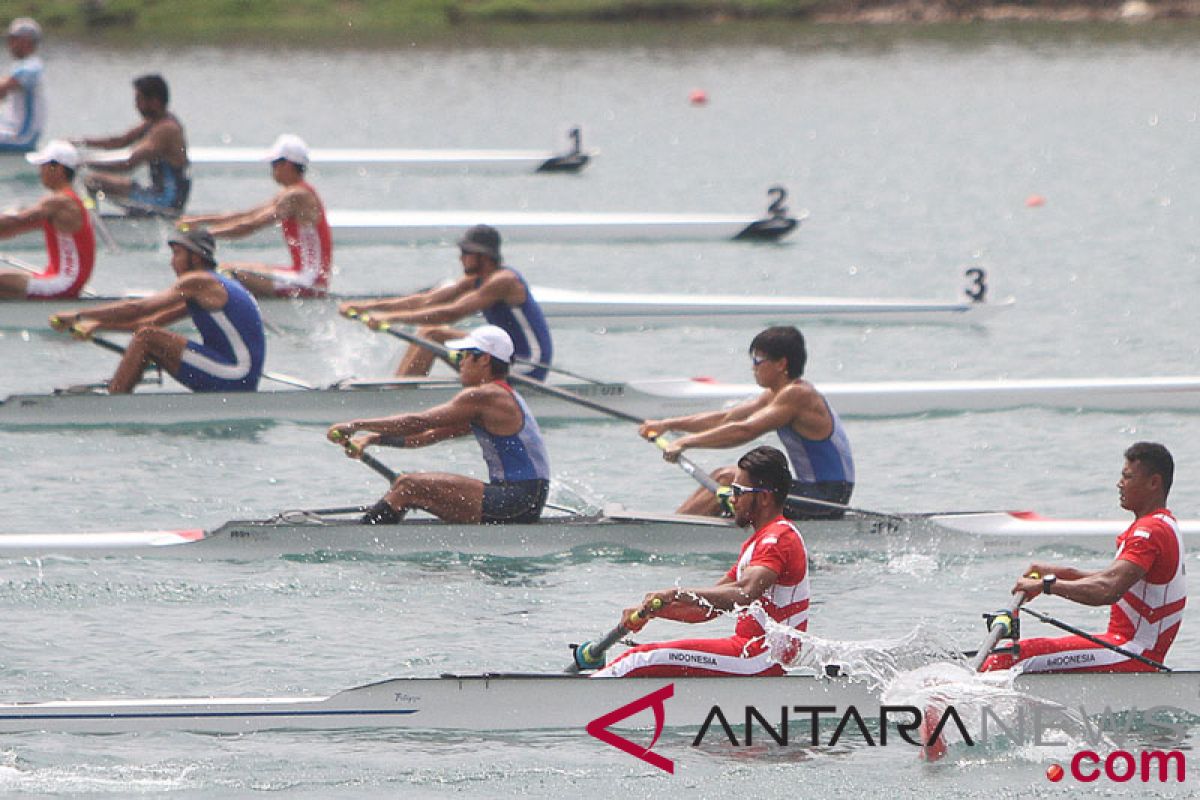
362, 455
590, 655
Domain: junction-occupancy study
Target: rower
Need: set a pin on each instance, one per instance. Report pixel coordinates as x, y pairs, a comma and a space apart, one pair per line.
772, 571
70, 243
500, 293
299, 211
518, 467
158, 142
811, 432
1144, 585
230, 357
24, 112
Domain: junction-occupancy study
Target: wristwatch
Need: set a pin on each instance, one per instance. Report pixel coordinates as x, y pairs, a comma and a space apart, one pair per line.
1048, 582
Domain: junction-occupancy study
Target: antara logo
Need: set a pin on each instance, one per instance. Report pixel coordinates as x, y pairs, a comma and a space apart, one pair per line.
655, 700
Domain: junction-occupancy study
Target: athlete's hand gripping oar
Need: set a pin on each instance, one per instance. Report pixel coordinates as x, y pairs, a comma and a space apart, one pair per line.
347, 443
25, 266
590, 655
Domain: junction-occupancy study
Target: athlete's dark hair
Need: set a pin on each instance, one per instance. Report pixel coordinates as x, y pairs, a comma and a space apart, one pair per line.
768, 468
499, 368
153, 86
783, 341
1156, 458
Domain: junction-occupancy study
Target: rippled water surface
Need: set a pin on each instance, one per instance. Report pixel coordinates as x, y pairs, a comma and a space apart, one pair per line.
913, 160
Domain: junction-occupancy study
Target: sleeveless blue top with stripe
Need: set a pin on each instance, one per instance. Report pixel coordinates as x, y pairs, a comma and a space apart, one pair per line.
526, 326
819, 460
237, 326
518, 457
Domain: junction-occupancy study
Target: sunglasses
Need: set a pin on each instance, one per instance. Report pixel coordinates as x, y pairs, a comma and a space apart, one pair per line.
756, 360
457, 356
739, 490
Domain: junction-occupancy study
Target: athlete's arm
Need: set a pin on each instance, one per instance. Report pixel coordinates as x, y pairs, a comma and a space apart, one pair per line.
736, 432
455, 415
242, 223
695, 423
380, 309
699, 605
26, 219
464, 305
119, 140
1101, 588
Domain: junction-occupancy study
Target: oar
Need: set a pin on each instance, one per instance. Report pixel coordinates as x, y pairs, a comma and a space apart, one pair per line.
1095, 639
108, 344
371, 461
590, 655
101, 227
365, 317
25, 266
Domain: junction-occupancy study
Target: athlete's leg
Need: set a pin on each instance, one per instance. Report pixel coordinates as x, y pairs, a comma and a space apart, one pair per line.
1066, 654
705, 503
148, 344
417, 360
732, 656
453, 498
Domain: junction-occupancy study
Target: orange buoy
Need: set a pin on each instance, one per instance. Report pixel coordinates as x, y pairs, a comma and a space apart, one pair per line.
1035, 201
698, 97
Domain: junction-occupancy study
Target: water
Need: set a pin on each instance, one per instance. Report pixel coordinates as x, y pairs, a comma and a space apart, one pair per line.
913, 158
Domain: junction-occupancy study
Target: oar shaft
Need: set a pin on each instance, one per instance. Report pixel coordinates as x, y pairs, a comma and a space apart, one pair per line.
592, 653
365, 457
1095, 639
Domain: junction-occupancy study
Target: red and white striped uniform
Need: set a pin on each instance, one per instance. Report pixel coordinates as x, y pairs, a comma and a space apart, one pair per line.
779, 547
1144, 621
71, 256
311, 246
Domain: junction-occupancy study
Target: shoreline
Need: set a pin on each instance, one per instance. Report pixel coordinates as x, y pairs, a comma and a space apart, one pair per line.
374, 22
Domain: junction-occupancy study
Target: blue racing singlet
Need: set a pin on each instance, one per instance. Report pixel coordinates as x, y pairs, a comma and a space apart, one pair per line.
819, 461
518, 457
230, 357
169, 186
526, 326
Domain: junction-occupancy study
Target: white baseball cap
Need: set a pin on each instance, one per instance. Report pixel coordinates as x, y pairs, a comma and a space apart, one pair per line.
59, 151
289, 147
25, 26
488, 338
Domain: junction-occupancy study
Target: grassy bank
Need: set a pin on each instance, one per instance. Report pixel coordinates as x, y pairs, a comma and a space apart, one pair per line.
380, 21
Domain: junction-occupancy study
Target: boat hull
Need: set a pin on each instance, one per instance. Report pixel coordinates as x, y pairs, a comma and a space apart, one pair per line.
646, 399
508, 702
620, 532
595, 309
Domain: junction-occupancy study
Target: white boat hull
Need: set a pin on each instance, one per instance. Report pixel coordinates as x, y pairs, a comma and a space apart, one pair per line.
355, 227
646, 399
304, 533
596, 309
506, 702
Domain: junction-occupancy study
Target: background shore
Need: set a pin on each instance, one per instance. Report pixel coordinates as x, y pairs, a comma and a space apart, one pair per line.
381, 21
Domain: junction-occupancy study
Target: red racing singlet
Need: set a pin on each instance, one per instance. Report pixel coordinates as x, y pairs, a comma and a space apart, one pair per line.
311, 246
71, 257
1149, 615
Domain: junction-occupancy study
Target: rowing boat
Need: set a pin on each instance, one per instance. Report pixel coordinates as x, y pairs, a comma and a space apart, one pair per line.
357, 227
515, 702
225, 160
294, 533
598, 309
650, 398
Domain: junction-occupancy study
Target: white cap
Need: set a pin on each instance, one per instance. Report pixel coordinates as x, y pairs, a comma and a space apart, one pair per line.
25, 26
488, 338
59, 151
290, 148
